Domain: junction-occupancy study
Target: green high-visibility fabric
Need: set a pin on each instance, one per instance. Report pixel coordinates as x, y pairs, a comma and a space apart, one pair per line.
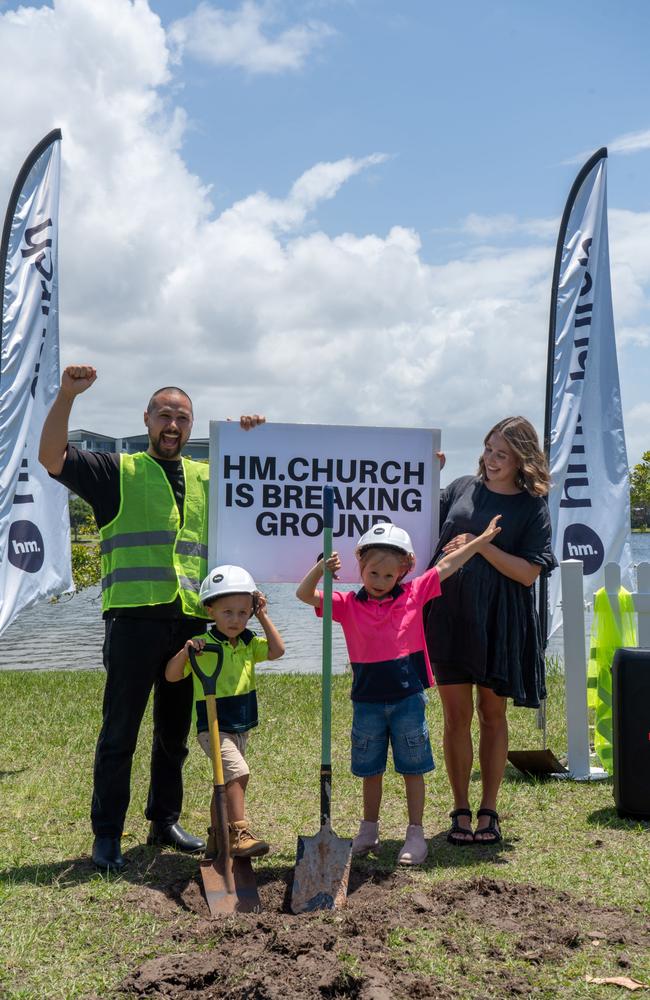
147, 558
236, 685
607, 635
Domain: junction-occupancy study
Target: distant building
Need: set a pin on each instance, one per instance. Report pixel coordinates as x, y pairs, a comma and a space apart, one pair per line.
91, 441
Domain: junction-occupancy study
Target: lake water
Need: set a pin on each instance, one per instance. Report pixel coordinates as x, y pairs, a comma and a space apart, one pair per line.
69, 634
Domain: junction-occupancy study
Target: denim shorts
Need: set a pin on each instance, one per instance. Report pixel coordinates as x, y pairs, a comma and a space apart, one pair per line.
402, 722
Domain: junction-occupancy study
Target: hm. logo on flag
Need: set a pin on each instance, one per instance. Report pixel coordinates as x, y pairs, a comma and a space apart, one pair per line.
26, 550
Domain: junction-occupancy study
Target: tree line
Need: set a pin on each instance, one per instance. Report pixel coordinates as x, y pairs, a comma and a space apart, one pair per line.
640, 492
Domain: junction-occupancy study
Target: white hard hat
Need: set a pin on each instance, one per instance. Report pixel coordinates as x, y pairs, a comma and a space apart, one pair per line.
386, 534
224, 580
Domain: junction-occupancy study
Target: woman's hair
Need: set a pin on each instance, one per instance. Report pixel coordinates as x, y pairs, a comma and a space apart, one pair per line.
377, 553
532, 467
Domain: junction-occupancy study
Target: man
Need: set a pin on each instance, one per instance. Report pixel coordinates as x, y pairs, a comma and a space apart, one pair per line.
151, 509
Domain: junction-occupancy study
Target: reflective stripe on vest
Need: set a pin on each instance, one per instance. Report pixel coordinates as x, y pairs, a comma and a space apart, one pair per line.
147, 567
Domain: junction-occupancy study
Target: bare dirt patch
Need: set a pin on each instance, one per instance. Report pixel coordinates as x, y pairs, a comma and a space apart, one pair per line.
372, 949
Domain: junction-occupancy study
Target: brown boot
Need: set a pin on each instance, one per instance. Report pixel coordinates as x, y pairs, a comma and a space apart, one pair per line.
242, 842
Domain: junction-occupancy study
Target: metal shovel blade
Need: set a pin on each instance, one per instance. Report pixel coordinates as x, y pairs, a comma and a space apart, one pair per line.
229, 885
320, 880
536, 762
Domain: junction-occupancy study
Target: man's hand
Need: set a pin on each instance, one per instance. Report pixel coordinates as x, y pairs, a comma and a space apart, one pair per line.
54, 436
76, 379
249, 421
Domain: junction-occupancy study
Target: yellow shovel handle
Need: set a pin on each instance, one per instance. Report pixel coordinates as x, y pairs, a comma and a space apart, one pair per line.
215, 745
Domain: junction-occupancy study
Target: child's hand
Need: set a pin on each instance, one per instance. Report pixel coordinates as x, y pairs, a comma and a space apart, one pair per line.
259, 603
195, 644
333, 564
491, 531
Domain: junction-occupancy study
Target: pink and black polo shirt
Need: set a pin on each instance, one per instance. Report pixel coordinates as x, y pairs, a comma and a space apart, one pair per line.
385, 638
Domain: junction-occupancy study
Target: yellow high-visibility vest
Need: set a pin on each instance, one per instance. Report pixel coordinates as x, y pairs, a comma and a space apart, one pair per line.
147, 558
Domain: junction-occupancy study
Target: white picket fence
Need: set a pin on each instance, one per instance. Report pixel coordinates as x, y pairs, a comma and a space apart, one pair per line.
575, 654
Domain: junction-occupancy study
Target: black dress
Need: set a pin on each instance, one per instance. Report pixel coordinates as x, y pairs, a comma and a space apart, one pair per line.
484, 624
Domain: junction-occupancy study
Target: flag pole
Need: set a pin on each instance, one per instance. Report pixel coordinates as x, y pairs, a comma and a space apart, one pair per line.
34, 523
600, 154
23, 174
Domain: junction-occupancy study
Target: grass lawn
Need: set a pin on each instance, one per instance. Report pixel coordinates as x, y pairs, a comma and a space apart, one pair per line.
66, 931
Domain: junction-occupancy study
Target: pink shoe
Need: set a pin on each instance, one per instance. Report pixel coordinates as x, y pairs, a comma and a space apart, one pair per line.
367, 838
415, 847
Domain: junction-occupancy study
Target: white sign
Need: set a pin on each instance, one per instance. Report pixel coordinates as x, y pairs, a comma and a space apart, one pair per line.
34, 524
590, 499
266, 493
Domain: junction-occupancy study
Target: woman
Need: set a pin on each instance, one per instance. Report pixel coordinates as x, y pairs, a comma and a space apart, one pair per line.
484, 629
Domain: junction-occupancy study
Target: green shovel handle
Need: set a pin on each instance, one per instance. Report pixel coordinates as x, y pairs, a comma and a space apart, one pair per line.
326, 693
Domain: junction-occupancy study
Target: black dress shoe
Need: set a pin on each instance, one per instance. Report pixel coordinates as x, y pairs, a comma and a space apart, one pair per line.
107, 854
173, 835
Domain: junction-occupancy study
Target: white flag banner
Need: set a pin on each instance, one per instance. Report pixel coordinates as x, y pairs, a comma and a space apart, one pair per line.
34, 522
266, 493
590, 498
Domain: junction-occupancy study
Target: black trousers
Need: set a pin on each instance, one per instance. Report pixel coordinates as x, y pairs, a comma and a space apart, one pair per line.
136, 651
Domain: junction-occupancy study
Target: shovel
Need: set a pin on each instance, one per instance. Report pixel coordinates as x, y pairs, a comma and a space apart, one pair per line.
229, 883
537, 763
320, 880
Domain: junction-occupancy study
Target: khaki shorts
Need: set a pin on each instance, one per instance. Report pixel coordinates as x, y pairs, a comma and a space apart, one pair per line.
233, 748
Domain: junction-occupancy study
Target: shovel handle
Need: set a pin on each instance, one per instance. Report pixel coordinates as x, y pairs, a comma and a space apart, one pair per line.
326, 700
208, 681
215, 744
209, 685
219, 805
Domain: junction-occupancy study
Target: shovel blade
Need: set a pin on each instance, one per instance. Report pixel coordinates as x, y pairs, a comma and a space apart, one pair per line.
229, 885
320, 880
536, 762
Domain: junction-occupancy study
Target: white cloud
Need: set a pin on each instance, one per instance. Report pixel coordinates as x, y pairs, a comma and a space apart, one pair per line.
241, 38
497, 226
255, 308
631, 142
626, 144
319, 183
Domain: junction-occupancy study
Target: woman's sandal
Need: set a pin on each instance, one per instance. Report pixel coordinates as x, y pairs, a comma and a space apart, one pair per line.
467, 837
489, 834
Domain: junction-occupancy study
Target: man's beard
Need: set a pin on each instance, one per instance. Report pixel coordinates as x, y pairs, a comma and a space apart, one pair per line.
163, 450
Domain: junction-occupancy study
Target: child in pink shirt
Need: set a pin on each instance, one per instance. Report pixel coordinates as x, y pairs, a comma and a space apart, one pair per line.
384, 633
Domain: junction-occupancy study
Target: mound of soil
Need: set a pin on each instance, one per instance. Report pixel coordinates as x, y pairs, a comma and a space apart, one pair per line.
350, 953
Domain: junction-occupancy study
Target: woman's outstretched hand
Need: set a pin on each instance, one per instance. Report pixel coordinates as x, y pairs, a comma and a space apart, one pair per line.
458, 541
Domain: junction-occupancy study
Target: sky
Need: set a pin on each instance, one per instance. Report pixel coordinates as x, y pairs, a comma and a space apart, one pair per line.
331, 211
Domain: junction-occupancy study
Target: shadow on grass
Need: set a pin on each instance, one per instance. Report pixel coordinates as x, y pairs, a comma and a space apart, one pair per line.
609, 817
10, 774
441, 854
145, 866
512, 776
168, 870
